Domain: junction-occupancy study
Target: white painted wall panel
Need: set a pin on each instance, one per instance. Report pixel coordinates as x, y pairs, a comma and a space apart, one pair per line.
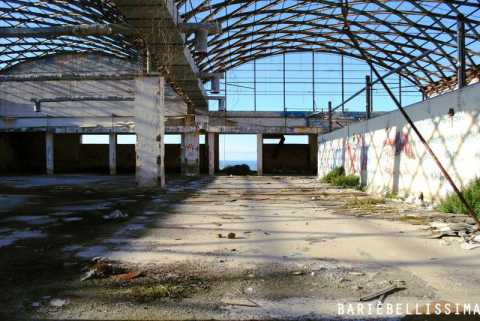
389, 157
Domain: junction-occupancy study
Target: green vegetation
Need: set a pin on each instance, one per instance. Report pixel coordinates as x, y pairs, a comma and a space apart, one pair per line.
452, 203
391, 195
364, 201
333, 174
154, 292
338, 178
347, 181
367, 204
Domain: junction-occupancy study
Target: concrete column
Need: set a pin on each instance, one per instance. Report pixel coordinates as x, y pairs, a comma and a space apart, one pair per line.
150, 129
217, 152
112, 153
260, 154
211, 153
191, 154
313, 147
49, 152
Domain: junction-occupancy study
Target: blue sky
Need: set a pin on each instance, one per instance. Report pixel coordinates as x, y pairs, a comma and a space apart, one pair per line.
299, 94
306, 87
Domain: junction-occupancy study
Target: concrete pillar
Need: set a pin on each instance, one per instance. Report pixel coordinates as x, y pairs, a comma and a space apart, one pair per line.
49, 152
211, 153
260, 154
313, 148
217, 152
191, 154
112, 153
150, 129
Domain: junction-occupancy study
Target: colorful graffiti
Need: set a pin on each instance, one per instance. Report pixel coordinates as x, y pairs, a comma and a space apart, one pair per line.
357, 154
401, 144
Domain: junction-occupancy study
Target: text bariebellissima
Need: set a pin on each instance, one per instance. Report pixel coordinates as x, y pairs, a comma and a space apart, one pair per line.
399, 309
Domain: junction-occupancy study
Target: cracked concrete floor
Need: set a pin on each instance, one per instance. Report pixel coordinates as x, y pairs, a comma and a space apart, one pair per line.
293, 252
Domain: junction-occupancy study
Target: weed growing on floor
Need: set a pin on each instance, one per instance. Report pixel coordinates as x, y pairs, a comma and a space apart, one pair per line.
391, 195
158, 291
364, 203
347, 181
452, 203
333, 174
338, 178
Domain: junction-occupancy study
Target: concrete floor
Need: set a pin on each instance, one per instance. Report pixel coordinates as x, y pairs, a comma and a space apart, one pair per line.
297, 250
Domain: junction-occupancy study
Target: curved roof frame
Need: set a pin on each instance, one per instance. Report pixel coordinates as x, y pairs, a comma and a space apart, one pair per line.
390, 32
46, 13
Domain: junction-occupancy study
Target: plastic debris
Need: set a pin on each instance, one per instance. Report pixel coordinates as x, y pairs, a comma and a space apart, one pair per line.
127, 276
442, 229
239, 301
115, 215
470, 245
101, 269
384, 292
58, 303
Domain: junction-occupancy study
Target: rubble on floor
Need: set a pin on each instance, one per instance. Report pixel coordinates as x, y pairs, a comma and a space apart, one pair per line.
466, 234
115, 215
217, 248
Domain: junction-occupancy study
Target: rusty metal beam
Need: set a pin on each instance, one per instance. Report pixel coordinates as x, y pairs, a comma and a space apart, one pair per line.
461, 68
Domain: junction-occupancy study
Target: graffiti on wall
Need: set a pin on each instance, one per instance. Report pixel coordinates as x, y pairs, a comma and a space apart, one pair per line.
357, 152
400, 144
337, 158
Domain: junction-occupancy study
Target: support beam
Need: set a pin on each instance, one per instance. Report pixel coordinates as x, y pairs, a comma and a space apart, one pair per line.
67, 30
191, 154
461, 68
342, 71
189, 27
37, 102
211, 140
400, 89
201, 42
82, 98
201, 30
68, 77
49, 152
112, 153
260, 154
150, 129
313, 148
383, 77
330, 116
217, 152
368, 96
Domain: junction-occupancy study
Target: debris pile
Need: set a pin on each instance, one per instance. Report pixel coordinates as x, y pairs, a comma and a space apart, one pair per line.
103, 269
383, 293
469, 234
115, 215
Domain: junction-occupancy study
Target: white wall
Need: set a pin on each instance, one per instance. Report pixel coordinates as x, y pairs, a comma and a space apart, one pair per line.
16, 107
389, 157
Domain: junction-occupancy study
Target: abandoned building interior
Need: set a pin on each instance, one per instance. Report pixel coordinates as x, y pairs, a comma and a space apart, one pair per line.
250, 159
